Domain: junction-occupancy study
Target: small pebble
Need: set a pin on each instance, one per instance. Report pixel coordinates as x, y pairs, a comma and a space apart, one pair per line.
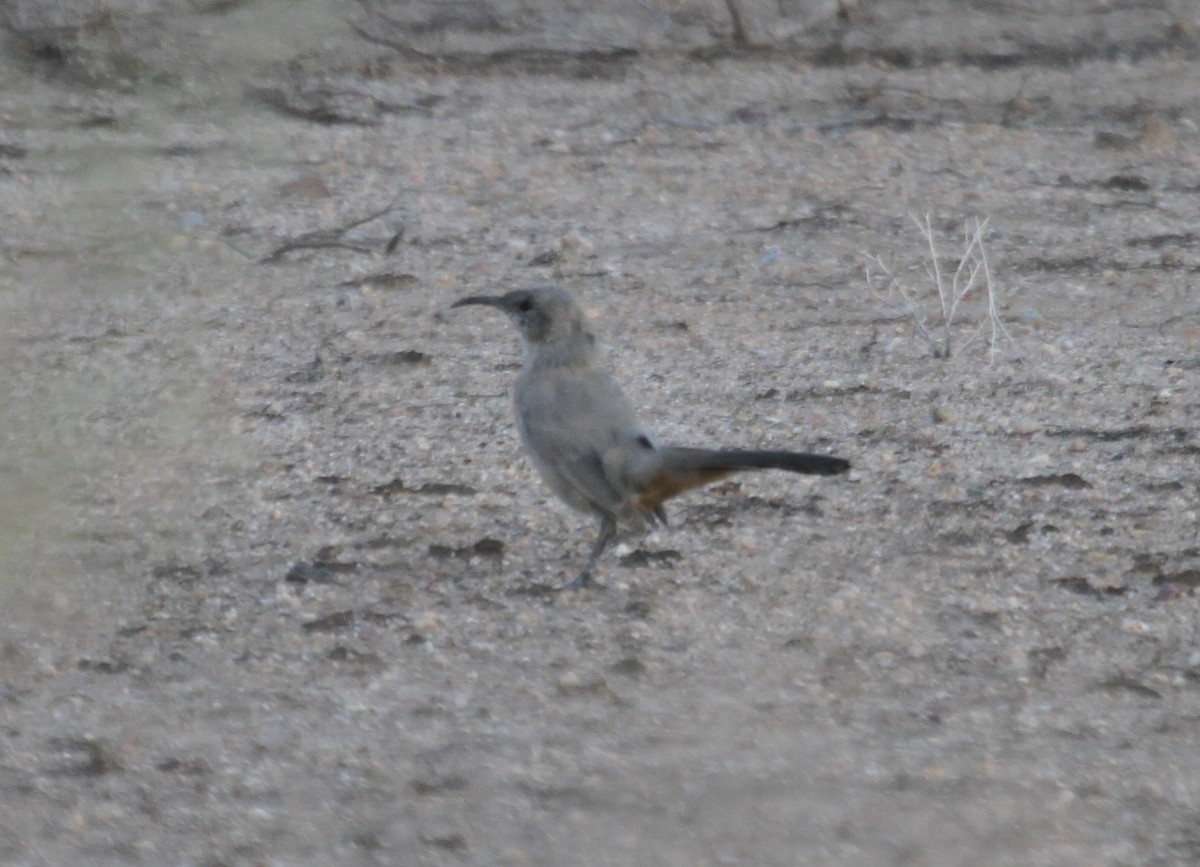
573, 242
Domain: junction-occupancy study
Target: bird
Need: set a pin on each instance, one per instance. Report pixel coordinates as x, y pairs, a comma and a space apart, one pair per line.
584, 437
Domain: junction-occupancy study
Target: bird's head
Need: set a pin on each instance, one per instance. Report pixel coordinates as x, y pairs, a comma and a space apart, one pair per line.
547, 317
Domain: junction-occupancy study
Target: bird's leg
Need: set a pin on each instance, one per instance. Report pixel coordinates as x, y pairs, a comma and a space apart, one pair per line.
608, 529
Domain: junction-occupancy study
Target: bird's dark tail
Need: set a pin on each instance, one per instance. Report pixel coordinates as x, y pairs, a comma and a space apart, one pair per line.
681, 460
681, 469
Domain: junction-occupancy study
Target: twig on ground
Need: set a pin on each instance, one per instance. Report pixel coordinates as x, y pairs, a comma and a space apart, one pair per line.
335, 238
971, 273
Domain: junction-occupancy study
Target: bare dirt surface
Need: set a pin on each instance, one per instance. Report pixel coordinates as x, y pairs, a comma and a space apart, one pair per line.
277, 581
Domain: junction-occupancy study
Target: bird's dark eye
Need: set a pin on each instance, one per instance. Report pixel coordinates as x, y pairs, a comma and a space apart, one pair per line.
525, 306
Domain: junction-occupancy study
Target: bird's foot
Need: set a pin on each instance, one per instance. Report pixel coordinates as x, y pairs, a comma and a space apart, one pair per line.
582, 581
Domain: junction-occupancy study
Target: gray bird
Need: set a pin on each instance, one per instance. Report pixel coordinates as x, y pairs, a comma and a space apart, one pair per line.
584, 437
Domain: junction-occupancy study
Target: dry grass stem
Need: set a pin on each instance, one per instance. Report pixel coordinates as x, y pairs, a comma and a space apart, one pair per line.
972, 272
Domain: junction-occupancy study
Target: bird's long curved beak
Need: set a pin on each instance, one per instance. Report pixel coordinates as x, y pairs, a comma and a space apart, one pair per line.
484, 300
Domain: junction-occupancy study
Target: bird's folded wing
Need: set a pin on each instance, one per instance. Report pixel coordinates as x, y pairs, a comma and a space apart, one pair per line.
570, 422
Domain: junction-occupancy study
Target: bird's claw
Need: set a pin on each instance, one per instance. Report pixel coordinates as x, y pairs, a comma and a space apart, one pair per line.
580, 582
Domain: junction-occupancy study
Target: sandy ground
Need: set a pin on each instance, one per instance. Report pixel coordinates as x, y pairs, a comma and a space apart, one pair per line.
276, 577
